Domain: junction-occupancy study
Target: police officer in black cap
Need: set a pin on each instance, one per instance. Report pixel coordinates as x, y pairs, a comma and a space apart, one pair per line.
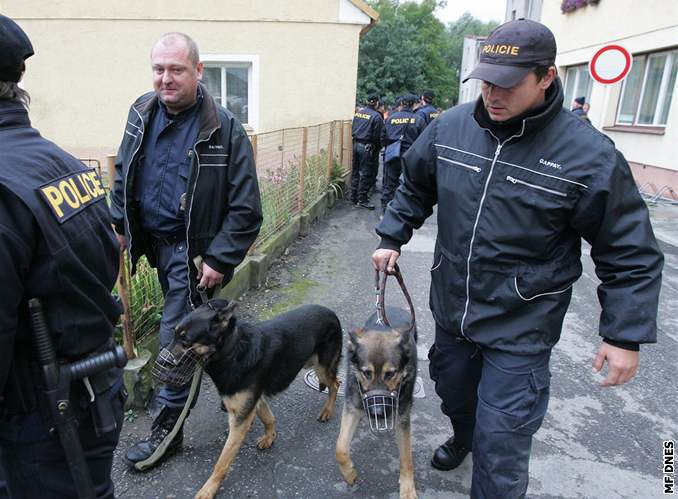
401, 129
367, 129
56, 245
428, 112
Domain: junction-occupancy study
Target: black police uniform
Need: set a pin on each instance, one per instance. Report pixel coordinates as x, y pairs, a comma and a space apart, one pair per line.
428, 113
404, 126
367, 131
56, 244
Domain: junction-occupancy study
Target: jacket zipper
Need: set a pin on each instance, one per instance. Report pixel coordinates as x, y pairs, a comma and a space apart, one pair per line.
514, 180
126, 218
475, 225
474, 168
190, 208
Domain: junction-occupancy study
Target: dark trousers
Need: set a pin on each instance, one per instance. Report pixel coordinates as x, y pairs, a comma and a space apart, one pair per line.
172, 270
496, 402
391, 174
33, 462
362, 175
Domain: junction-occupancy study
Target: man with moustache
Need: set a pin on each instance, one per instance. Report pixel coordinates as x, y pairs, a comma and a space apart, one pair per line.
519, 181
186, 196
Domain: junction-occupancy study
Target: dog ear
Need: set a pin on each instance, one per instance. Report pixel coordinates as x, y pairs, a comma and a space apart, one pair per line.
224, 314
354, 336
406, 333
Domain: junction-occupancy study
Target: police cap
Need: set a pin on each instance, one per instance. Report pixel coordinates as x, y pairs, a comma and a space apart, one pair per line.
372, 96
15, 48
428, 94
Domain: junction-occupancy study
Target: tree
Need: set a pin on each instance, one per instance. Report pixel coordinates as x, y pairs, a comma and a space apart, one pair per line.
410, 50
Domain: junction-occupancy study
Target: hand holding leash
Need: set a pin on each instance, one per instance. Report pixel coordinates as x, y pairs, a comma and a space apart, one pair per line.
384, 260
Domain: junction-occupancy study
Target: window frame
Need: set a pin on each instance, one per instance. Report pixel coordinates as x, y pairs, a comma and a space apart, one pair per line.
249, 61
644, 59
578, 70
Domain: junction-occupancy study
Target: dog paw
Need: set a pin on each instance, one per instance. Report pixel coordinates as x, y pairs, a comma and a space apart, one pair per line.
206, 492
266, 440
325, 414
350, 476
408, 491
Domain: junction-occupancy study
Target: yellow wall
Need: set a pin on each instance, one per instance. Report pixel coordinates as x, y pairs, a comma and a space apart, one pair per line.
645, 26
92, 60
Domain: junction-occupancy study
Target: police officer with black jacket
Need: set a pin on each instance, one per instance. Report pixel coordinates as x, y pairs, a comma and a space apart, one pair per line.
367, 130
400, 131
56, 245
427, 111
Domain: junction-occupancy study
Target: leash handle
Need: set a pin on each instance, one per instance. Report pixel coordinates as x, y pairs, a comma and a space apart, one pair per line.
380, 290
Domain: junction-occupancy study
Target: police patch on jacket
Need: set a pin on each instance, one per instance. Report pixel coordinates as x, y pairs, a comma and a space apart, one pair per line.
70, 194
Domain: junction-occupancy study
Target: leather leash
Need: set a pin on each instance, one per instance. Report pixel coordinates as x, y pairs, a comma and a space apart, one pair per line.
380, 291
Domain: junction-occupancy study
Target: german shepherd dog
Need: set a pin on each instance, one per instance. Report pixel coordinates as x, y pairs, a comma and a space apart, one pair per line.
249, 362
380, 358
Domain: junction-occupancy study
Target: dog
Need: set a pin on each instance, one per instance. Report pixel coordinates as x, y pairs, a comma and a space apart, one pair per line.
380, 358
249, 363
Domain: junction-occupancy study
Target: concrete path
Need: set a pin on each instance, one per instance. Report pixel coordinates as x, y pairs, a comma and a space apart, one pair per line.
595, 443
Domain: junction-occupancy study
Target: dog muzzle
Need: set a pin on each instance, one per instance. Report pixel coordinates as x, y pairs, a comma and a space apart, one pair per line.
381, 408
175, 370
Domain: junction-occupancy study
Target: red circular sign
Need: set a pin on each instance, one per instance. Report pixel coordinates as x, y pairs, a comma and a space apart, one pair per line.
610, 64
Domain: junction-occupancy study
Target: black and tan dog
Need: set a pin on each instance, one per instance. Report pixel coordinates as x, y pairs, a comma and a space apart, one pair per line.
384, 359
248, 363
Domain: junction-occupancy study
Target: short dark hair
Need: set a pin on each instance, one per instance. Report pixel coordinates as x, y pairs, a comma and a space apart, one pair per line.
541, 71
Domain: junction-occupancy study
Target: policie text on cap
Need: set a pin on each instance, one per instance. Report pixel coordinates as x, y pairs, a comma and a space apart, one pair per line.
512, 50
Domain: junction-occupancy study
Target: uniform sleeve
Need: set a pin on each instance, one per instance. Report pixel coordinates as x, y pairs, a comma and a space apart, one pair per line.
117, 192
416, 195
614, 219
378, 132
17, 227
241, 226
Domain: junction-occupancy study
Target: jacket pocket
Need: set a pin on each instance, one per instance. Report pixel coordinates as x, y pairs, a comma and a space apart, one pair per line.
528, 295
184, 172
535, 186
463, 165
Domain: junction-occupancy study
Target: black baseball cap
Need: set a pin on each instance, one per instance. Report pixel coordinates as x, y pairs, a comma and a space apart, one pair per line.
428, 94
15, 48
372, 96
512, 50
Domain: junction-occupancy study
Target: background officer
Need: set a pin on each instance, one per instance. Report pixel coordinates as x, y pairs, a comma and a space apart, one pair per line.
367, 129
401, 129
186, 196
56, 244
427, 111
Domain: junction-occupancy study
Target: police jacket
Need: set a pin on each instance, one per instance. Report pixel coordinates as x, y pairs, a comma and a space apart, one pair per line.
428, 113
56, 244
223, 207
402, 125
367, 127
511, 215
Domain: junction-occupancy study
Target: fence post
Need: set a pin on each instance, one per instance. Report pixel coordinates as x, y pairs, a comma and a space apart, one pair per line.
128, 339
341, 144
253, 139
302, 169
330, 154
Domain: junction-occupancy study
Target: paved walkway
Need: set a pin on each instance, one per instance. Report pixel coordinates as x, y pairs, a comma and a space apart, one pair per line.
594, 443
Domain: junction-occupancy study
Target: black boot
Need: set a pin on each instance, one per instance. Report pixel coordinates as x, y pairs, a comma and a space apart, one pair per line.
160, 444
449, 455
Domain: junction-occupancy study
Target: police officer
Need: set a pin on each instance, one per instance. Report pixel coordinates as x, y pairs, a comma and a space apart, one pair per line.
427, 111
56, 245
401, 129
367, 129
186, 196
519, 182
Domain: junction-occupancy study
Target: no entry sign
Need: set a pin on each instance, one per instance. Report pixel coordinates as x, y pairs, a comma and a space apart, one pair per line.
610, 64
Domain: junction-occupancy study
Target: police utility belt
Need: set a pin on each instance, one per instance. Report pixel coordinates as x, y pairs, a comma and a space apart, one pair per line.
22, 391
167, 239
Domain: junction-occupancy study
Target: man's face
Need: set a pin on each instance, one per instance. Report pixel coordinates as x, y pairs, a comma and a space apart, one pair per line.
505, 103
175, 78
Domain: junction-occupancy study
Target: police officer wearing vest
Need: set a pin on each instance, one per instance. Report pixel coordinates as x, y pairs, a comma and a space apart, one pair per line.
518, 182
366, 131
401, 129
56, 245
427, 111
186, 196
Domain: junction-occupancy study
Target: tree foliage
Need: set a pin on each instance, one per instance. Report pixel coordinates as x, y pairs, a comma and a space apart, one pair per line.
410, 50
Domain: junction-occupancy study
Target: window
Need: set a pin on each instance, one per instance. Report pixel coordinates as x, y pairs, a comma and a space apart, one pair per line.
578, 83
646, 95
232, 81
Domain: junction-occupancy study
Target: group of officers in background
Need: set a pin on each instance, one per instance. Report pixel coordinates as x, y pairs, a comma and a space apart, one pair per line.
375, 128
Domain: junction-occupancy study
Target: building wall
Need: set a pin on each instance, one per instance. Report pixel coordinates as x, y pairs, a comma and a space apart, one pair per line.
92, 59
528, 9
470, 90
640, 27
